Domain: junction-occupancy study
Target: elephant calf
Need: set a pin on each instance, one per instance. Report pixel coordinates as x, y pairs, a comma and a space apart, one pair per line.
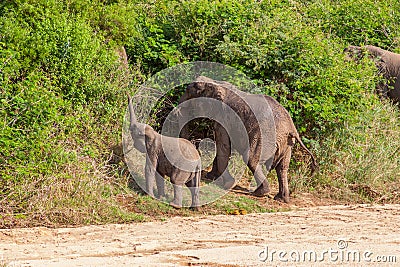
176, 158
388, 64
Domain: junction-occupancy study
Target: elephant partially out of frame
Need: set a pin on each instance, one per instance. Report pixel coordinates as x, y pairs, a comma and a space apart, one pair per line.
246, 106
388, 64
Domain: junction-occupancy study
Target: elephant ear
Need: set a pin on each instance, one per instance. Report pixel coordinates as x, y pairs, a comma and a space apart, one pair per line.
214, 90
354, 52
220, 93
196, 89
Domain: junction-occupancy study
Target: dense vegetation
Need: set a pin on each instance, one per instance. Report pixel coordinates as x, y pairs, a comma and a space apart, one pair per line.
62, 88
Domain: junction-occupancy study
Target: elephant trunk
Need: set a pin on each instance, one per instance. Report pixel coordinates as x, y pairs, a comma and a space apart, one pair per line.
133, 120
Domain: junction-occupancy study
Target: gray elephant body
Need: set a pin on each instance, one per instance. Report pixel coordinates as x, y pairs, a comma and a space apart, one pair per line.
274, 153
388, 64
176, 158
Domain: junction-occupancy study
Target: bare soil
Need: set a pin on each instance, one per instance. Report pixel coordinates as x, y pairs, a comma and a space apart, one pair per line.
352, 235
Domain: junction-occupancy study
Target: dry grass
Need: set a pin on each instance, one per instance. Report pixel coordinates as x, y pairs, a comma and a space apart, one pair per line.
361, 162
78, 194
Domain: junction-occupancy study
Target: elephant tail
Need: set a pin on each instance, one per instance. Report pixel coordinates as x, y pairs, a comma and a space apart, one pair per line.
314, 164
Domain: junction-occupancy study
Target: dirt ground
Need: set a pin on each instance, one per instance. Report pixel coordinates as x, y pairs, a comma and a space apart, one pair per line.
353, 235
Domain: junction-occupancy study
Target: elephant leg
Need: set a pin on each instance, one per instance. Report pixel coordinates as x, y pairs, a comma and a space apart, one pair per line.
160, 185
177, 183
194, 187
223, 150
220, 163
282, 172
177, 202
261, 180
214, 171
256, 169
150, 173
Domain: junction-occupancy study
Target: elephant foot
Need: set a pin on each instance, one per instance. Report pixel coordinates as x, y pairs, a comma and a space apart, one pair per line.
281, 198
229, 184
261, 191
211, 176
161, 197
176, 206
196, 208
225, 184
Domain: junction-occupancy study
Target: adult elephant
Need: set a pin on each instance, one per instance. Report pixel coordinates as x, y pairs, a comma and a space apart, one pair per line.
250, 109
388, 64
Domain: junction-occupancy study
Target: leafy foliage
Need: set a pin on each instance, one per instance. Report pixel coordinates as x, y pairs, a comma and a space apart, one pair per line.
293, 60
59, 92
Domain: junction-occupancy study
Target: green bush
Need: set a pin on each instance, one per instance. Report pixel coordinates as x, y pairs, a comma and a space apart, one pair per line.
294, 61
60, 101
357, 22
360, 161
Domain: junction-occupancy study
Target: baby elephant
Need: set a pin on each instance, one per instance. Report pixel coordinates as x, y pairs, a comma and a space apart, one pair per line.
176, 158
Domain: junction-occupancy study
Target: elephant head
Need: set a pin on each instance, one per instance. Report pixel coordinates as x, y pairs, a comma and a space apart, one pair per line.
206, 87
138, 130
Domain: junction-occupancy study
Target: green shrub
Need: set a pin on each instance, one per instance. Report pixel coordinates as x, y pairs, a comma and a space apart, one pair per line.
357, 22
60, 104
360, 161
299, 64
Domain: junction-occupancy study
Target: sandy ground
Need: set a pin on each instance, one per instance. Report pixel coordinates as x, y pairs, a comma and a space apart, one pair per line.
356, 235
